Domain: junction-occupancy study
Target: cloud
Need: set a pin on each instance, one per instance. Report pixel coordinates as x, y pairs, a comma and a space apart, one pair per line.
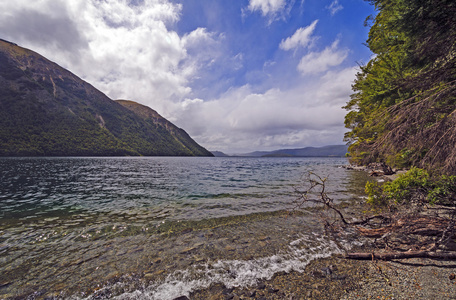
301, 38
132, 52
243, 119
46, 25
273, 10
334, 7
267, 7
319, 62
127, 51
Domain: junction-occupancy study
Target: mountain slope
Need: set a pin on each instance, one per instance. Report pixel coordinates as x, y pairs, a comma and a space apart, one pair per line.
47, 110
334, 150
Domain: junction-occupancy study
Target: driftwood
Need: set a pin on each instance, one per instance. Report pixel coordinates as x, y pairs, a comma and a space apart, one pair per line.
400, 255
410, 234
423, 225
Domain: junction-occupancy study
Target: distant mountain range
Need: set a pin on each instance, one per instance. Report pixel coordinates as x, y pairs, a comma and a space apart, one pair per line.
45, 110
326, 151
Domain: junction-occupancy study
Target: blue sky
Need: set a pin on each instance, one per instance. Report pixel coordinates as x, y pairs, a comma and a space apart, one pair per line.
238, 76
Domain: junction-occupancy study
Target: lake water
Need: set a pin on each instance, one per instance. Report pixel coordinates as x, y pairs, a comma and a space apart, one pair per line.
156, 227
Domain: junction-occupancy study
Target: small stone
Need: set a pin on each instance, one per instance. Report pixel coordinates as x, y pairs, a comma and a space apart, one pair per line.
273, 290
182, 298
326, 271
187, 250
452, 276
157, 261
261, 286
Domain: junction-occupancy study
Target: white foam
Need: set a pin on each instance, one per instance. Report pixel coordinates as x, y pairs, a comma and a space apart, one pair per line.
234, 273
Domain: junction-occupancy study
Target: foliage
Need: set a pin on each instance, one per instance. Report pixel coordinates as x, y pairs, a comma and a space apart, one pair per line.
404, 98
416, 186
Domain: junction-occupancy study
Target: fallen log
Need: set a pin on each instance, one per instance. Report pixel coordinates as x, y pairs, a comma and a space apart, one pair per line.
419, 225
400, 255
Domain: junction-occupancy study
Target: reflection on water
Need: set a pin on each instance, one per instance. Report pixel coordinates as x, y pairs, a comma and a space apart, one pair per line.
154, 226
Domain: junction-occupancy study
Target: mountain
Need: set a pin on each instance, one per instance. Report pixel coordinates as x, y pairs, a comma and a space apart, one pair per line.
47, 110
334, 150
219, 154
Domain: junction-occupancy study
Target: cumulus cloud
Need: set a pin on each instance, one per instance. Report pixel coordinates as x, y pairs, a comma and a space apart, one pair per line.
127, 51
243, 119
301, 38
319, 62
334, 7
131, 52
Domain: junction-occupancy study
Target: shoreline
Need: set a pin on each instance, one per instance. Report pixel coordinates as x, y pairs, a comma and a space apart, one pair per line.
339, 278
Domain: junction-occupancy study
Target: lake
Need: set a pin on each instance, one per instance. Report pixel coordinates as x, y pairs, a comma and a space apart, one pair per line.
157, 227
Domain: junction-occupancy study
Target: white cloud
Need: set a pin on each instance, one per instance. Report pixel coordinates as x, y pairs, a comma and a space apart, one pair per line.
131, 52
334, 7
126, 51
319, 62
267, 7
242, 119
301, 38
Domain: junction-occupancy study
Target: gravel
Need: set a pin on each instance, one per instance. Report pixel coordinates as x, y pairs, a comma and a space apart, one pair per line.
339, 278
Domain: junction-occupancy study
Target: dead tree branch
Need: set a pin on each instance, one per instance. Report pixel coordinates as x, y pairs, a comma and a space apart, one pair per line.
421, 233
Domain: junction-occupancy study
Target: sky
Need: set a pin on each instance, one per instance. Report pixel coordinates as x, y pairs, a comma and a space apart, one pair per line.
238, 76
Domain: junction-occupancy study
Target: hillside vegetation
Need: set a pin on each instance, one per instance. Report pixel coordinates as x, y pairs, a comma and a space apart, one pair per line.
46, 110
402, 111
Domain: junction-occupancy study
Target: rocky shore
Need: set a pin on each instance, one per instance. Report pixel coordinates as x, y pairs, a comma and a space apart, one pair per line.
340, 278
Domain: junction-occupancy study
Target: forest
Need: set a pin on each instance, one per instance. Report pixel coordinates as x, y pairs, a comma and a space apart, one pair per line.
402, 116
402, 109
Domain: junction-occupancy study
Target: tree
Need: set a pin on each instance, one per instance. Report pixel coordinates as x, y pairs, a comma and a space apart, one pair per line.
405, 97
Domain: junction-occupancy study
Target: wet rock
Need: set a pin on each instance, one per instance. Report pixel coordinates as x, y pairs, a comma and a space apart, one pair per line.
187, 230
182, 298
227, 291
318, 274
187, 250
157, 261
230, 248
452, 276
326, 271
317, 286
261, 286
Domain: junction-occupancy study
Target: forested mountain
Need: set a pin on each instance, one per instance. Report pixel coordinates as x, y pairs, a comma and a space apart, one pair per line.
47, 110
402, 111
326, 151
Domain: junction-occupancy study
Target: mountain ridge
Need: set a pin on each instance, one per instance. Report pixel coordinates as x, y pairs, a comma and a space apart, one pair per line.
45, 110
324, 151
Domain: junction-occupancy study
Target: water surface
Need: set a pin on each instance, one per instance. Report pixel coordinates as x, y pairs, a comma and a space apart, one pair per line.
155, 227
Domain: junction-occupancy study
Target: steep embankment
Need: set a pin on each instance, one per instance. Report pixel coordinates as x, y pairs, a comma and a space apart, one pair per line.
403, 108
47, 110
